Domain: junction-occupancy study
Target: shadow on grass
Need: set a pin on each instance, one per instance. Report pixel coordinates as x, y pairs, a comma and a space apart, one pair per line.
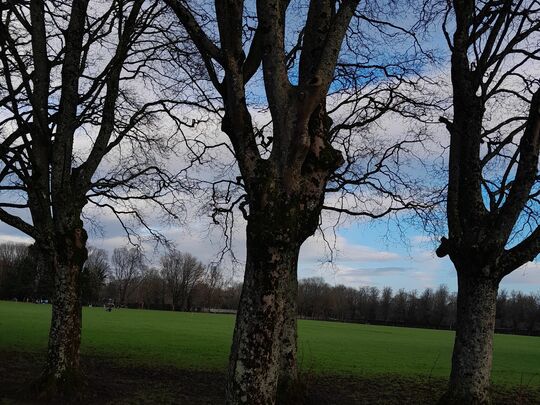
111, 383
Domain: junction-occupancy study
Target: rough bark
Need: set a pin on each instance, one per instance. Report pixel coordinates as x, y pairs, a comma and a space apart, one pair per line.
284, 192
255, 360
62, 374
484, 205
473, 346
288, 375
281, 218
284, 212
290, 387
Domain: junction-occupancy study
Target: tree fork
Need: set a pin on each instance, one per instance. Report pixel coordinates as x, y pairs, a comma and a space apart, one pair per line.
263, 354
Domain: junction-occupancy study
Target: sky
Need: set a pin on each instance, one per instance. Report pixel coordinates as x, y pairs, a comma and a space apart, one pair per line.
365, 253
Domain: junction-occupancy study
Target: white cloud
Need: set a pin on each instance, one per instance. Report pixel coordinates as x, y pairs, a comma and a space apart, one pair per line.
4, 238
316, 250
527, 276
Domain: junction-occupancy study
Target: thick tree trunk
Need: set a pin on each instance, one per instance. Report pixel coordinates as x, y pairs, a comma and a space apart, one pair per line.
62, 374
62, 369
473, 347
256, 353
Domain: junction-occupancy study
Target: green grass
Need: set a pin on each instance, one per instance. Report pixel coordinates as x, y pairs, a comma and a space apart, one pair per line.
202, 341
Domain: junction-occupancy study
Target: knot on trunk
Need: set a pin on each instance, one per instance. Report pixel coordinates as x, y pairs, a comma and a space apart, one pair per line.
444, 248
70, 246
80, 253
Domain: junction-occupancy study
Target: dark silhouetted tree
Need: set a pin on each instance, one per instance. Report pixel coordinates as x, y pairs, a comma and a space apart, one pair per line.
95, 272
181, 273
68, 100
328, 72
128, 271
493, 187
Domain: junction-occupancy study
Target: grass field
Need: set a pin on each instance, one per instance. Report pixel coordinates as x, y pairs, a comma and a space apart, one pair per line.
202, 341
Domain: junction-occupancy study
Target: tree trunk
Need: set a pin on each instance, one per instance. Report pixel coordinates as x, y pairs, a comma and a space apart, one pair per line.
123, 293
62, 374
256, 353
288, 374
473, 347
289, 361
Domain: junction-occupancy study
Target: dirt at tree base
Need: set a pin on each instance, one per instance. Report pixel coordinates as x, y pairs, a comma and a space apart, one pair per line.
112, 383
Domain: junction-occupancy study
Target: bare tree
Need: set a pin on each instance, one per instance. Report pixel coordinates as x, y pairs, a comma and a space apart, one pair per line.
214, 282
440, 305
386, 302
128, 271
12, 253
312, 297
493, 187
287, 166
16, 282
95, 271
66, 103
400, 306
181, 273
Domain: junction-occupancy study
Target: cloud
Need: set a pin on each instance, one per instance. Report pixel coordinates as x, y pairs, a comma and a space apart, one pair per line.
353, 277
369, 275
526, 277
5, 238
316, 250
385, 270
10, 234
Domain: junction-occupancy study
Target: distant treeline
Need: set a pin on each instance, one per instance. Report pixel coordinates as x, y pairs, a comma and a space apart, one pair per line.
182, 282
516, 312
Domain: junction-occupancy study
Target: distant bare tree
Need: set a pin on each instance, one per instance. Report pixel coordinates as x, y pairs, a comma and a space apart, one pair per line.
214, 281
373, 302
399, 303
151, 291
425, 307
127, 271
95, 271
441, 305
386, 302
181, 273
313, 297
16, 282
12, 253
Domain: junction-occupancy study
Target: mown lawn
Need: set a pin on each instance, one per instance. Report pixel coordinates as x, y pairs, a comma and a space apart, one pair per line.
202, 341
